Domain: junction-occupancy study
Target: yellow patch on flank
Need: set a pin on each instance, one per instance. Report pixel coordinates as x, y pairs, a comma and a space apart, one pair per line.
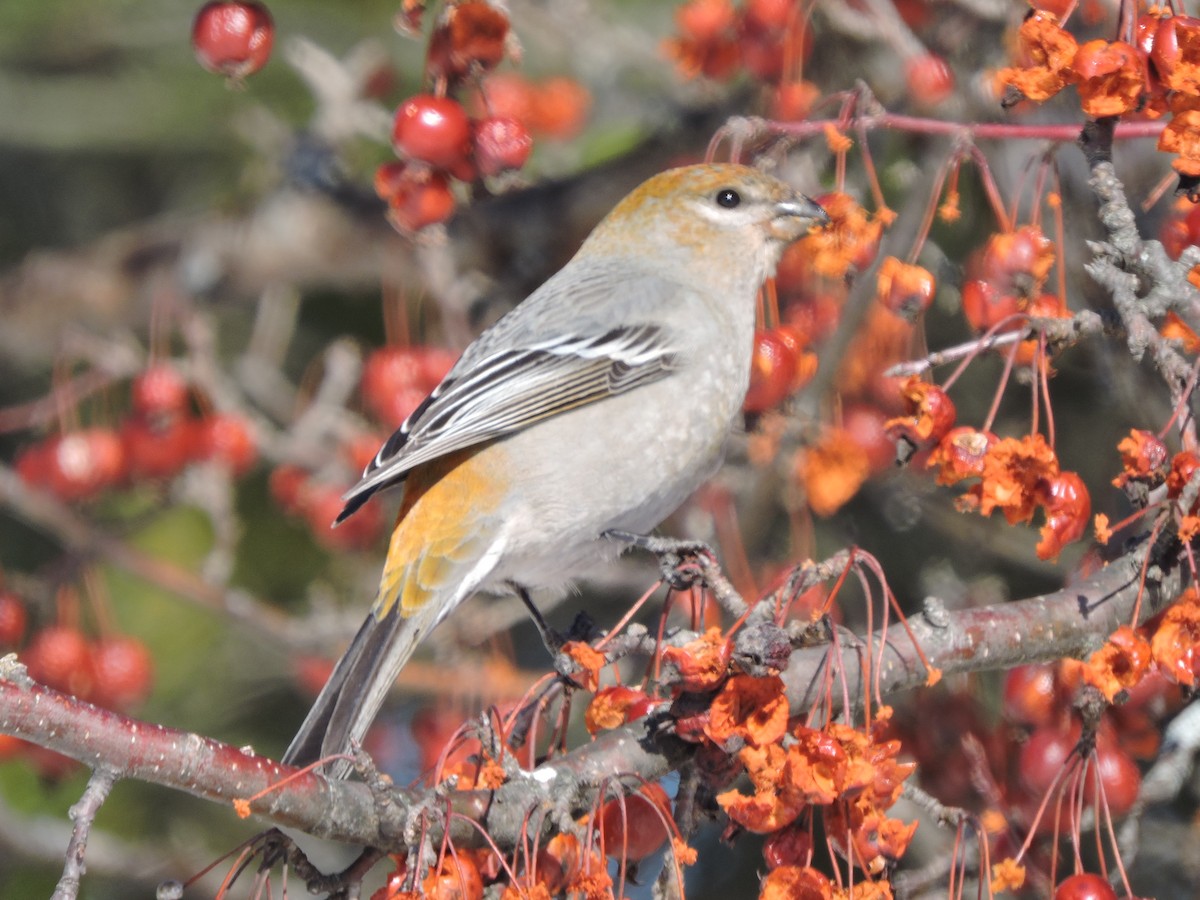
445, 521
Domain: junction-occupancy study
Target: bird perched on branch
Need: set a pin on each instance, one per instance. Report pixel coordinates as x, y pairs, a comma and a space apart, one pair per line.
597, 405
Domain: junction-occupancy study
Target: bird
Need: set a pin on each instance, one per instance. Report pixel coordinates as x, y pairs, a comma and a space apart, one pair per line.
597, 405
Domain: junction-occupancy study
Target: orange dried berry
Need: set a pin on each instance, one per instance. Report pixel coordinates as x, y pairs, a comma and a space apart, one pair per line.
848, 243
476, 33
616, 705
985, 305
1175, 53
788, 882
832, 470
960, 454
905, 289
1112, 77
931, 413
589, 661
557, 863
1183, 466
755, 710
1018, 261
776, 801
1182, 134
1174, 328
1046, 51
1119, 664
705, 21
457, 877
559, 107
1014, 473
701, 664
793, 100
1143, 457
1177, 638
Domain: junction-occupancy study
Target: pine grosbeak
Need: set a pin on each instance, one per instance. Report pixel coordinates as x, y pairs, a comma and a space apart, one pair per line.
598, 404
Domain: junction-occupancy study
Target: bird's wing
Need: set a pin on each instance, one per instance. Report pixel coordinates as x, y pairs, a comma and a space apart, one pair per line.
510, 389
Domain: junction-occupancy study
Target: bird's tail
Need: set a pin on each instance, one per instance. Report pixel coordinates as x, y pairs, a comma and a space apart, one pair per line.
351, 698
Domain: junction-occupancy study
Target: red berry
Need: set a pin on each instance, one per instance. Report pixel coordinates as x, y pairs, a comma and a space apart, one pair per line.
791, 846
287, 485
49, 765
361, 449
930, 80
157, 448
61, 658
160, 390
985, 306
33, 465
1119, 776
433, 129
558, 108
322, 505
636, 828
1031, 695
501, 144
311, 673
233, 39
770, 15
423, 199
1181, 229
865, 426
1085, 886
123, 671
1169, 59
705, 21
772, 370
11, 746
791, 102
394, 383
458, 877
81, 464
13, 619
1043, 756
436, 363
229, 439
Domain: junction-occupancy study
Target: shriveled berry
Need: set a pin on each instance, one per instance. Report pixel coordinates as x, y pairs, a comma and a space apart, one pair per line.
501, 143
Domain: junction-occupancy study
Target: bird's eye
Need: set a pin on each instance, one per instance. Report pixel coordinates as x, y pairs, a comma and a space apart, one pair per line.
728, 198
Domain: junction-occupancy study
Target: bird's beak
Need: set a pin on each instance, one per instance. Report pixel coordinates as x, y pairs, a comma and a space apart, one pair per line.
794, 217
803, 208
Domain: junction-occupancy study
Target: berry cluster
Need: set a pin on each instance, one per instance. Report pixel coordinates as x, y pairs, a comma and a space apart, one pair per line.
771, 40
233, 38
1153, 72
155, 441
395, 381
438, 141
113, 671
